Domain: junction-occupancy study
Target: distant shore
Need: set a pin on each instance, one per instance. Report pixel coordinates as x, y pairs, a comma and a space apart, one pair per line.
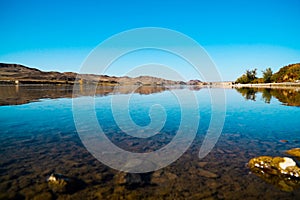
15, 74
285, 85
227, 84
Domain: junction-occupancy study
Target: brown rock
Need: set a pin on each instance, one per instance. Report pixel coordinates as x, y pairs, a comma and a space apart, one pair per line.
44, 196
280, 172
207, 174
294, 152
202, 164
59, 183
131, 180
283, 141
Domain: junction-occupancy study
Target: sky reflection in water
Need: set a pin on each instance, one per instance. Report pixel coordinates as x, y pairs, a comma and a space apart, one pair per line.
42, 136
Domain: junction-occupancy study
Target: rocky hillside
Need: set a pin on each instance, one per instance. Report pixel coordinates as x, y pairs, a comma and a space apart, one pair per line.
289, 73
9, 73
20, 72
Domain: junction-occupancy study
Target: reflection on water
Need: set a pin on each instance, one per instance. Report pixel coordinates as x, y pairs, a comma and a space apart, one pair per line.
16, 94
289, 97
40, 138
20, 94
284, 183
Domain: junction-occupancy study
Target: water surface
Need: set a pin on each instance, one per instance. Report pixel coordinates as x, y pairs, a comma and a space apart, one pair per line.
39, 137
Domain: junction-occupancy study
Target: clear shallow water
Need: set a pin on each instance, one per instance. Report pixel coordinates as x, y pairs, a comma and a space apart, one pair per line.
39, 138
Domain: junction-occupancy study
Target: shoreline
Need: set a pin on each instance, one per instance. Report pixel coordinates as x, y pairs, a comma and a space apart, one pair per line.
227, 84
286, 85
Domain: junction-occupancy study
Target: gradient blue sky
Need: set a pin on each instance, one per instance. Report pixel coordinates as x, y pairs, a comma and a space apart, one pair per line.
238, 35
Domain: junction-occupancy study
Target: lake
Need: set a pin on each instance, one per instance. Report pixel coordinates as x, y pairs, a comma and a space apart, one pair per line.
39, 137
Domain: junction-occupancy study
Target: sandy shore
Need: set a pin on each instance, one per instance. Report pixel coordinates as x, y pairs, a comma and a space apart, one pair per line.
287, 85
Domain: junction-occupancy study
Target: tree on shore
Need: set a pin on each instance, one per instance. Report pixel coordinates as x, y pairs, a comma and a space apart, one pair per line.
248, 77
267, 75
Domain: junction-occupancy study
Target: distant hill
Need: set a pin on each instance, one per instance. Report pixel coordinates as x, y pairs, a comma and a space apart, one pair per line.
289, 73
10, 73
19, 72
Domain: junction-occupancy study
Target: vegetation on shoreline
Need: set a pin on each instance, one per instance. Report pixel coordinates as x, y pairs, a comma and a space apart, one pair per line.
289, 73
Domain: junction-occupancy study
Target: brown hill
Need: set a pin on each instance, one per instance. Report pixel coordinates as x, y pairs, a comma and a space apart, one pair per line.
289, 73
10, 73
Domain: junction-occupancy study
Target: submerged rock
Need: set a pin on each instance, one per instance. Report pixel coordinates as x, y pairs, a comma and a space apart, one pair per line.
59, 183
132, 180
294, 152
44, 196
283, 141
275, 165
161, 177
207, 174
279, 171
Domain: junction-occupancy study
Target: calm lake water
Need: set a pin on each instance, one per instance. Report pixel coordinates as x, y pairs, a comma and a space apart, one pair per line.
38, 137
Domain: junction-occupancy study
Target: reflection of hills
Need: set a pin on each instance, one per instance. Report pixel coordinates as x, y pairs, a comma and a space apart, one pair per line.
85, 90
150, 90
290, 97
15, 94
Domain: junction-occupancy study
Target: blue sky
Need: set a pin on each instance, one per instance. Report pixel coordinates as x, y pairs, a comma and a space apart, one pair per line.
238, 35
